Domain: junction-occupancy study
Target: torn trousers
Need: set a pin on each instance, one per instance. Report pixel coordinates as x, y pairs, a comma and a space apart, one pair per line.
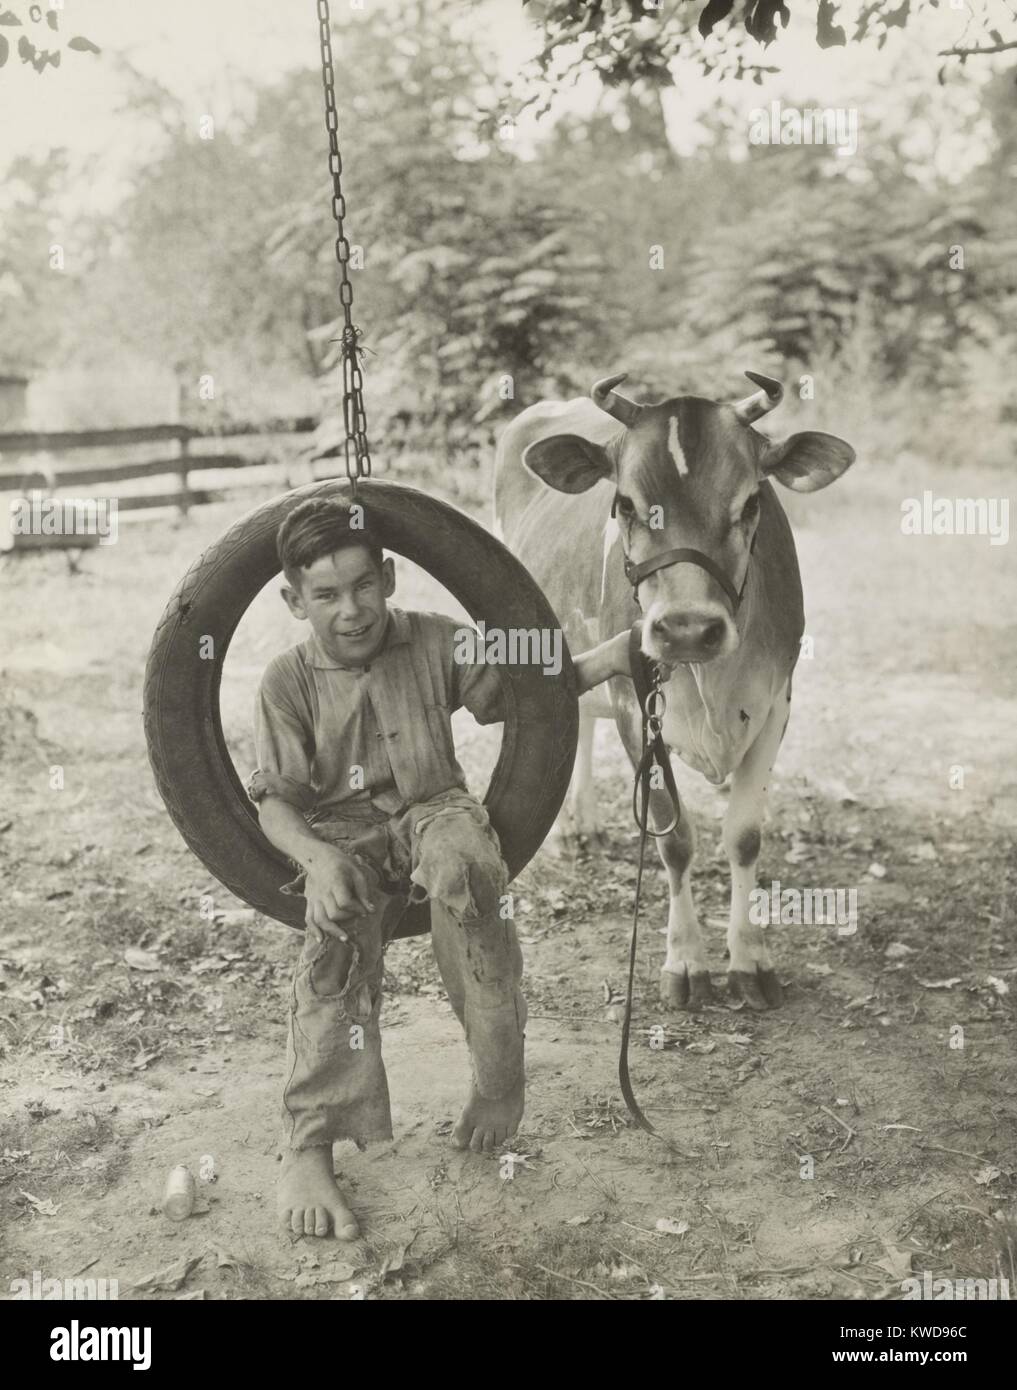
445, 850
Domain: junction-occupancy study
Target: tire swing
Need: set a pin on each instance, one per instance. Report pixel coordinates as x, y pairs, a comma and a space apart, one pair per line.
191, 763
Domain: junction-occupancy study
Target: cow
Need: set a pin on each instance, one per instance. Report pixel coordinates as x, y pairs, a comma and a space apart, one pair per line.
666, 512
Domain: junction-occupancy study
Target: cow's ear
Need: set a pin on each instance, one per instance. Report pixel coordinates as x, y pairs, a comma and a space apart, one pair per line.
568, 462
809, 461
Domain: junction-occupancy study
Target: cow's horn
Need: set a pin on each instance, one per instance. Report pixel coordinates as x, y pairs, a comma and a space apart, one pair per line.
608, 399
752, 407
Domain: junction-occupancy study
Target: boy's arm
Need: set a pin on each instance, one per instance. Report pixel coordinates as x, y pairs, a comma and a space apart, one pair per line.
610, 658
336, 887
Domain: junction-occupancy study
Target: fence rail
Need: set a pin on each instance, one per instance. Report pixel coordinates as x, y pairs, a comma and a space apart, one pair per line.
177, 467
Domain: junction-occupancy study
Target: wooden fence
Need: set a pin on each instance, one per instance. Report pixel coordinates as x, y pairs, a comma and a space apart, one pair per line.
190, 454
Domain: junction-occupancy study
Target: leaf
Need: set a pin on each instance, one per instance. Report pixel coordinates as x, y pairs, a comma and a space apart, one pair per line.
82, 45
828, 34
9, 17
941, 984
897, 1261
669, 1226
393, 1263
171, 1278
138, 959
986, 1175
224, 1260
715, 11
44, 1206
333, 1274
897, 951
704, 1047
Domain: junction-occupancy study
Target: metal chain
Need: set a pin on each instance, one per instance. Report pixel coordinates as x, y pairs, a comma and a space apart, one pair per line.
358, 456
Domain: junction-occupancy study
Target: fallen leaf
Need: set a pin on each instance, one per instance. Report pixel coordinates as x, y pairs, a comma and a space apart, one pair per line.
819, 969
1000, 986
393, 1263
224, 1260
703, 1047
44, 1206
897, 950
941, 984
334, 1274
171, 1278
138, 959
669, 1226
986, 1175
577, 1221
876, 870
897, 1261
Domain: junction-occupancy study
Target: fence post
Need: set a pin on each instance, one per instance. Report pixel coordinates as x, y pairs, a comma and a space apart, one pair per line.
183, 446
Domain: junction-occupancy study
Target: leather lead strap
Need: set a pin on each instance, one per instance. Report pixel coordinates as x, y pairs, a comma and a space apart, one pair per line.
654, 750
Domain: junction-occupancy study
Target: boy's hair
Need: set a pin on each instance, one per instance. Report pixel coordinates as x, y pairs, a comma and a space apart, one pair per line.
320, 526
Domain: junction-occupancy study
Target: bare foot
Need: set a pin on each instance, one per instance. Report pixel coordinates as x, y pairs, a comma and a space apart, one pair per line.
309, 1201
485, 1124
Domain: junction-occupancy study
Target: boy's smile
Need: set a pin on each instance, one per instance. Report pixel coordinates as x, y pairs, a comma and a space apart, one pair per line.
344, 597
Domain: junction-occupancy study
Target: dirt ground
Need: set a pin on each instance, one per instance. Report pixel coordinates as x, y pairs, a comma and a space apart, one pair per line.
138, 1031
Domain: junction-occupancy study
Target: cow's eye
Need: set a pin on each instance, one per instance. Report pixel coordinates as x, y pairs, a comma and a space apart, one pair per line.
625, 505
751, 509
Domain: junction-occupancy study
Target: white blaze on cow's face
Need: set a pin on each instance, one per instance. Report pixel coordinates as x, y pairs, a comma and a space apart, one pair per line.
687, 478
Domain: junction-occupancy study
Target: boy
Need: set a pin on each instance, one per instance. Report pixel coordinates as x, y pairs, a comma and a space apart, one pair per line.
358, 784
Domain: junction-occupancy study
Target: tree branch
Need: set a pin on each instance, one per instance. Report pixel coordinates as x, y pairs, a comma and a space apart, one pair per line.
968, 52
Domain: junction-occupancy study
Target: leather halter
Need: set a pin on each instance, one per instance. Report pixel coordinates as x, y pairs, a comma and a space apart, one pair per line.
635, 574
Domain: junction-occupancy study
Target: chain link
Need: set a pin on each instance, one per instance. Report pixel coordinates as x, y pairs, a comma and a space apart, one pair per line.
358, 455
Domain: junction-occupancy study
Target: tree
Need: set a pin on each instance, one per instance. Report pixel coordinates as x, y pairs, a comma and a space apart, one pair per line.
635, 43
478, 286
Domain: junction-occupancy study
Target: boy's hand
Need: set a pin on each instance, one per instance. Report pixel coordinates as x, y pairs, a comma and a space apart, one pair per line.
336, 889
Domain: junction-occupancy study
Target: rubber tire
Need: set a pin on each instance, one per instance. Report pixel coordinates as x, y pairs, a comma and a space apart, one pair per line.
193, 769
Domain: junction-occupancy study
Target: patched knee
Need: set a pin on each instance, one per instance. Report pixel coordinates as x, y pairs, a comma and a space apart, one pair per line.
469, 889
466, 875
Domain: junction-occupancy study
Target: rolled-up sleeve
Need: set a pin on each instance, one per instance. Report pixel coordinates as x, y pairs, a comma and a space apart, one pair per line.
284, 747
479, 689
474, 686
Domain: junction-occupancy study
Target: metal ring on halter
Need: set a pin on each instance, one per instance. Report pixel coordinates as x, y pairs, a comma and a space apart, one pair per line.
655, 704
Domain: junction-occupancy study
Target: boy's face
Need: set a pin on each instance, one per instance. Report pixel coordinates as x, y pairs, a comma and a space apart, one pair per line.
344, 598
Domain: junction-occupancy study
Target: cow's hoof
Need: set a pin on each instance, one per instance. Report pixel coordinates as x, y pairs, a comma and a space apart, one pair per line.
759, 990
691, 989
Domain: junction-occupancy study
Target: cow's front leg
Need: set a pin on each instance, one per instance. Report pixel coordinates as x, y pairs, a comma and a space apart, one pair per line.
685, 977
751, 975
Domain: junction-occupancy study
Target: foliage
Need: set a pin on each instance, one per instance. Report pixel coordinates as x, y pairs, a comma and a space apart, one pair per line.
40, 45
630, 43
486, 277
